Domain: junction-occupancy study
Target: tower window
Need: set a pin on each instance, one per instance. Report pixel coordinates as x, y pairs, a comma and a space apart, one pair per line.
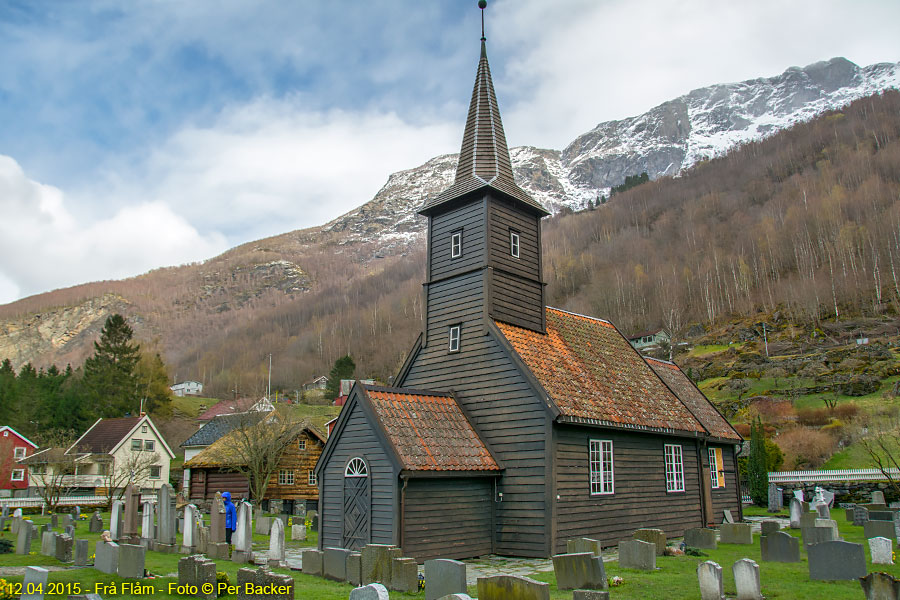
454, 338
514, 243
456, 244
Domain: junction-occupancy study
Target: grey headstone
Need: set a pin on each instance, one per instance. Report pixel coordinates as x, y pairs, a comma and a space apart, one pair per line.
217, 520
54, 521
444, 577
190, 539
848, 513
45, 528
823, 511
14, 525
243, 535
700, 537
67, 521
115, 520
276, 543
776, 498
263, 525
880, 529
509, 587
881, 550
780, 547
816, 535
5, 511
64, 544
354, 568
877, 497
196, 571
202, 540
654, 536
36, 578
746, 580
808, 519
95, 525
882, 515
264, 577
709, 575
81, 553
298, 533
334, 563
23, 538
727, 518
165, 515
796, 508
404, 575
637, 554
860, 515
372, 591
17, 513
313, 517
798, 494
131, 561
69, 530
588, 595
577, 571
834, 561
48, 543
767, 527
878, 586
147, 525
312, 562
376, 562
106, 557
736, 533
579, 545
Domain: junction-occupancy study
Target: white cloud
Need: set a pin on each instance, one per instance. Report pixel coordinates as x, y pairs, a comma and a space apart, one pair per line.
43, 246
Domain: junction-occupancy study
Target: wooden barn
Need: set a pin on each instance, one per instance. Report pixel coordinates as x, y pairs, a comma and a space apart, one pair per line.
514, 426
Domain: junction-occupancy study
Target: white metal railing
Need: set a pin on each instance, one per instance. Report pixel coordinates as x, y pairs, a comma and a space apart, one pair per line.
37, 502
833, 475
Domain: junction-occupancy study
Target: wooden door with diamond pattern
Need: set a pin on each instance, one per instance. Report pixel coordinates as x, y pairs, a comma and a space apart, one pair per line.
357, 513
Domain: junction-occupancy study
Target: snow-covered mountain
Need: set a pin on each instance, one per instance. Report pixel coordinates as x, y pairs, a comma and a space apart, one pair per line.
665, 140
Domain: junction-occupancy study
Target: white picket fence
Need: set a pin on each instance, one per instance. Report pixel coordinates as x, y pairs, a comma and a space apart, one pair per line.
37, 502
832, 475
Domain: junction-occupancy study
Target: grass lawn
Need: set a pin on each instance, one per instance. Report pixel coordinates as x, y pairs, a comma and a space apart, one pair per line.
191, 406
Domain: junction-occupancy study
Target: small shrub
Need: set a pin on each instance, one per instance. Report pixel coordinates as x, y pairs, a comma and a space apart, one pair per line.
222, 578
743, 429
846, 411
813, 417
805, 448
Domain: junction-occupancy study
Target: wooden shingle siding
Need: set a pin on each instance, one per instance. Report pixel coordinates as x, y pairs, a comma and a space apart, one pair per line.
640, 498
517, 301
300, 462
447, 518
725, 498
504, 217
469, 218
358, 439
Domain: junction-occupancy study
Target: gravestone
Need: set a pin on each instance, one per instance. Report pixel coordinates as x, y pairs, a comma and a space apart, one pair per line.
76, 512
882, 515
334, 563
808, 519
836, 533
404, 575
835, 561
95, 525
276, 544
45, 528
165, 526
373, 591
780, 547
216, 547
106, 557
798, 494
736, 533
796, 509
130, 533
64, 545
827, 497
767, 527
511, 587
577, 571
700, 537
48, 543
637, 554
312, 562
376, 562
243, 535
54, 521
298, 533
189, 539
116, 520
17, 513
147, 532
35, 582
776, 498
444, 577
354, 568
4, 512
579, 545
14, 525
23, 538
860, 515
878, 586
823, 511
81, 553
67, 521
131, 561
727, 518
816, 535
709, 575
877, 497
576, 595
848, 513
653, 536
263, 525
202, 540
313, 518
746, 580
263, 579
880, 529
880, 549
69, 530
197, 571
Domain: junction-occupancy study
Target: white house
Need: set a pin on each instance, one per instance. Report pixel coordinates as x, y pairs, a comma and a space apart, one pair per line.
187, 388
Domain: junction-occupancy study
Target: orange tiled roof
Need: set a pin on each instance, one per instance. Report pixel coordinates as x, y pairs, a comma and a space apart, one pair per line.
593, 374
429, 432
694, 399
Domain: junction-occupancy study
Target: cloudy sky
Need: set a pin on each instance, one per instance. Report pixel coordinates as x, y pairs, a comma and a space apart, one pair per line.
148, 133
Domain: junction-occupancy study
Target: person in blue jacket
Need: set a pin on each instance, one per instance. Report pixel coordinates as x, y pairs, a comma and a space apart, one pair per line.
230, 516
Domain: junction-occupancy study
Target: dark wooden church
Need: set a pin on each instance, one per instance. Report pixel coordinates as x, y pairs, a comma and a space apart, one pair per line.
516, 426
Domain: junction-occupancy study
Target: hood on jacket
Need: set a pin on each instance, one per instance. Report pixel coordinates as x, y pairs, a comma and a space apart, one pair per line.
226, 496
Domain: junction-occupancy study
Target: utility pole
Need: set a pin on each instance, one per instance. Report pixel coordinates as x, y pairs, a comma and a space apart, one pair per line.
269, 385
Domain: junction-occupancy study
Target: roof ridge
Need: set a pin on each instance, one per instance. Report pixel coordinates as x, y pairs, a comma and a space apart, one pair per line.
575, 314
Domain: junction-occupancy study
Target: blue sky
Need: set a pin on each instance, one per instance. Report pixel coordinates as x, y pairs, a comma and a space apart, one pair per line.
148, 133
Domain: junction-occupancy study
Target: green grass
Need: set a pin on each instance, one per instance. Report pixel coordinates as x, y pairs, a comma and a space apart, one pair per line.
191, 406
707, 349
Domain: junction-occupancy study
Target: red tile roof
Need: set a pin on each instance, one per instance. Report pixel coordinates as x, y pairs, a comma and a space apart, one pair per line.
105, 434
594, 375
694, 399
429, 432
228, 407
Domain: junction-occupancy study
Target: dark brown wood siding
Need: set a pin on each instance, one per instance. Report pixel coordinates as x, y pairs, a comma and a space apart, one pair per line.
517, 301
725, 498
206, 482
500, 402
640, 498
358, 439
447, 518
300, 463
503, 218
469, 219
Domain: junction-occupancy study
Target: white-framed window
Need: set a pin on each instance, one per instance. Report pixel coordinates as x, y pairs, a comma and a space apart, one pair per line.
149, 445
285, 478
514, 243
37, 469
155, 471
601, 467
716, 468
18, 475
356, 468
456, 244
136, 445
311, 478
301, 444
19, 453
454, 337
674, 468
143, 429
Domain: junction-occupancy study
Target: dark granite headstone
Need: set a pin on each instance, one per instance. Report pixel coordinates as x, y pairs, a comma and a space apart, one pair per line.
836, 561
780, 547
579, 571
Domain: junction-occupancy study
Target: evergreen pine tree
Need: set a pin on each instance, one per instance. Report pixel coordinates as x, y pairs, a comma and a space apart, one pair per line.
343, 368
757, 473
109, 375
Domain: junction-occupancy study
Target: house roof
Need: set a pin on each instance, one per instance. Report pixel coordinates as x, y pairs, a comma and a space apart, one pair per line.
104, 435
594, 376
694, 399
17, 434
47, 455
646, 333
220, 453
229, 407
428, 431
216, 427
484, 157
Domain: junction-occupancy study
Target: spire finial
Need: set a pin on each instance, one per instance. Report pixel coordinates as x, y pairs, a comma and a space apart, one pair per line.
482, 4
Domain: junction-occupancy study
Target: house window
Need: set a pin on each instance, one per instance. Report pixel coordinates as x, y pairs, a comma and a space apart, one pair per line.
155, 471
601, 465
19, 453
674, 468
454, 337
456, 244
311, 478
514, 243
136, 445
38, 469
301, 445
285, 478
18, 475
103, 469
144, 429
716, 468
149, 445
356, 468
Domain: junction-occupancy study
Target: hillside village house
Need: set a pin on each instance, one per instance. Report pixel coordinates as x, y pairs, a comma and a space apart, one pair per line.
187, 388
14, 447
318, 383
650, 339
237, 406
515, 426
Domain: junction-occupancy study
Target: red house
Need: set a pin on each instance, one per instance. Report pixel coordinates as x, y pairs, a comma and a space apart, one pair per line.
13, 448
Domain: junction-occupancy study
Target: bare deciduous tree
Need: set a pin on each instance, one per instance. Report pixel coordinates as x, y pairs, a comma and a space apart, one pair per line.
51, 472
